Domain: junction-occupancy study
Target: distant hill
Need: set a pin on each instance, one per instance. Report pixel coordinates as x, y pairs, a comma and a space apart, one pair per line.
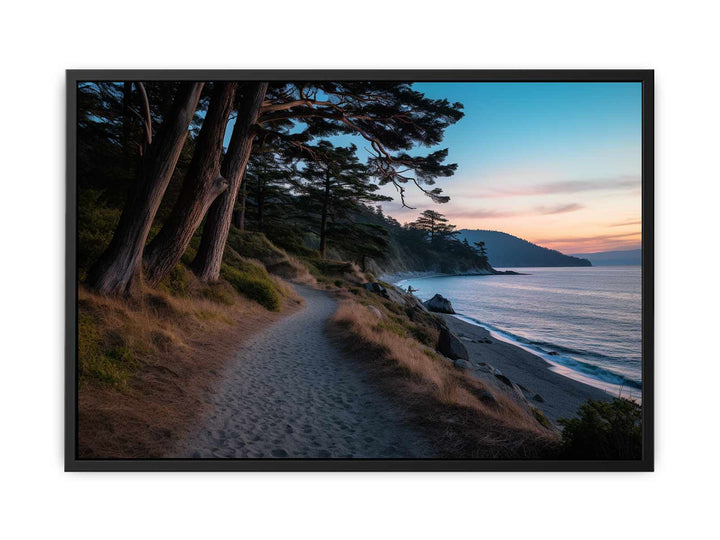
614, 258
506, 250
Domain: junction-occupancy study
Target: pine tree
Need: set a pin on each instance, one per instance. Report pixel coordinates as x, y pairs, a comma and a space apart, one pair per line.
332, 184
268, 183
482, 250
435, 225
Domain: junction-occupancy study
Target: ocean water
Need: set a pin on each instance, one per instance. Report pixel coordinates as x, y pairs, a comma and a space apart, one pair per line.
585, 321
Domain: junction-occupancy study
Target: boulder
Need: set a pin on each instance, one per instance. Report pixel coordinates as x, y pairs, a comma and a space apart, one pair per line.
377, 288
462, 364
538, 398
451, 346
439, 304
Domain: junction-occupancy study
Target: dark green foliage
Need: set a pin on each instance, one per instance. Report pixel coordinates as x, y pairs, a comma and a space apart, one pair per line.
253, 281
332, 185
391, 117
360, 242
435, 225
604, 430
410, 248
96, 224
268, 200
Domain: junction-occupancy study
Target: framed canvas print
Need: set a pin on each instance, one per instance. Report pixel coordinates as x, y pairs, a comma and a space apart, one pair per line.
359, 270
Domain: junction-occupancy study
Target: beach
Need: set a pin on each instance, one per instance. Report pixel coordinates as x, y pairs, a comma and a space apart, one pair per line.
560, 395
561, 390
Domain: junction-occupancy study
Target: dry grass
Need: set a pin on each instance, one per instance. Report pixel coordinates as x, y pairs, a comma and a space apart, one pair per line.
145, 365
452, 405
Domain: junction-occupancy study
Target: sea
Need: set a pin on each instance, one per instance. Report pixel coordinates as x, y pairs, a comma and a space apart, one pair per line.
586, 322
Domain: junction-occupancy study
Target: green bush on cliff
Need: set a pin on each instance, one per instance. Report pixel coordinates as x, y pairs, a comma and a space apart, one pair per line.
604, 430
253, 281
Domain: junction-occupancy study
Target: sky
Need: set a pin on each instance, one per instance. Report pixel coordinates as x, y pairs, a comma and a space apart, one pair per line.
558, 164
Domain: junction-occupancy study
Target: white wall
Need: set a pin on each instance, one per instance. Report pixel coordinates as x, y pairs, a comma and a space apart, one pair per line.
40, 41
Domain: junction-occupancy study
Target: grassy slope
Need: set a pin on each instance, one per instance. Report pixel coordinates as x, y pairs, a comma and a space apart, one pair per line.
143, 364
466, 418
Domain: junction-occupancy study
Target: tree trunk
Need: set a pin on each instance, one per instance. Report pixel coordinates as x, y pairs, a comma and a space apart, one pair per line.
201, 186
217, 225
324, 216
118, 268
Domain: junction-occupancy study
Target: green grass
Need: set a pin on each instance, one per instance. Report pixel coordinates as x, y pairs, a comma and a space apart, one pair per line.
177, 282
255, 246
218, 292
96, 360
253, 281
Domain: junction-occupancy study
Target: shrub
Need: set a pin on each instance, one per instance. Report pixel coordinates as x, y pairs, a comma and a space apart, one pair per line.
604, 430
254, 282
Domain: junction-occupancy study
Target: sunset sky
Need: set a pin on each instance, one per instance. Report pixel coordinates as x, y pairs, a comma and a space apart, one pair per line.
558, 164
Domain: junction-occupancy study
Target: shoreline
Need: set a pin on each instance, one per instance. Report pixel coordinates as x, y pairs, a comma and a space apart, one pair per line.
566, 389
396, 277
559, 396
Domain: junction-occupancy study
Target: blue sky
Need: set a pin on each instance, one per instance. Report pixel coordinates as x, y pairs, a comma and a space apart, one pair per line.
556, 163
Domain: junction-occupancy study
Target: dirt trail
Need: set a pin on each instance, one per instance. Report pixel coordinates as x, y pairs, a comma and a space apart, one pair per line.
290, 392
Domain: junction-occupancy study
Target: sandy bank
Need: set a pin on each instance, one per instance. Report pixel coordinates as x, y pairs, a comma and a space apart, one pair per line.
560, 395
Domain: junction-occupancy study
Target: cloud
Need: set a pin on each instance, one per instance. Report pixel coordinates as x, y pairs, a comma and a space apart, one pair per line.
580, 239
559, 209
626, 223
483, 213
555, 188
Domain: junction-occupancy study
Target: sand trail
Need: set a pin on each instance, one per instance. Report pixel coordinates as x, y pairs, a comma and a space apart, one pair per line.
291, 392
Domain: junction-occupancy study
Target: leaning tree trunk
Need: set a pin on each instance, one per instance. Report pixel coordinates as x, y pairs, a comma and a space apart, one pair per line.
118, 268
217, 225
201, 186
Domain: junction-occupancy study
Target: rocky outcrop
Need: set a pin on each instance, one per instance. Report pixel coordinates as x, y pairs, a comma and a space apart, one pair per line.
451, 346
439, 304
377, 288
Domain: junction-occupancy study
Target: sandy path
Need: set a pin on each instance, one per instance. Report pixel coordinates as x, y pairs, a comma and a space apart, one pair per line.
290, 392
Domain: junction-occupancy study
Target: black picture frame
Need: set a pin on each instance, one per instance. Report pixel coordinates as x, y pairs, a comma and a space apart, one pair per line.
644, 76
